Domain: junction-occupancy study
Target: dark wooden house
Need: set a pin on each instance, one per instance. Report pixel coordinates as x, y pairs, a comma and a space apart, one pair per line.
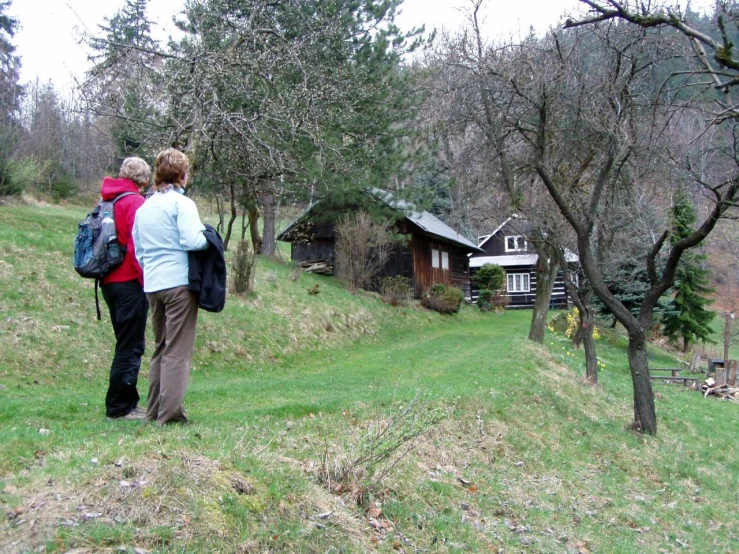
428, 253
508, 247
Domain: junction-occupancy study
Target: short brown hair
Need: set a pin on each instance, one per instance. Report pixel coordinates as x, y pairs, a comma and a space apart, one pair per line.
136, 170
170, 167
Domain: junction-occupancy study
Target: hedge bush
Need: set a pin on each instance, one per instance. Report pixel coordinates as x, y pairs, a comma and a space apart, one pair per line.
443, 299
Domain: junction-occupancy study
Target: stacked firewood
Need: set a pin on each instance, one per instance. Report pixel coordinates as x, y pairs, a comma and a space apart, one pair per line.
322, 267
724, 391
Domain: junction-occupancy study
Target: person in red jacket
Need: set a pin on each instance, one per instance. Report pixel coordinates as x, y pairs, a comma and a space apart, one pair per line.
123, 292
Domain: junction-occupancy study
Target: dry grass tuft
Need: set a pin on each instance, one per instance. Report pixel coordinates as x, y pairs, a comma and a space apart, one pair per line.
30, 200
181, 492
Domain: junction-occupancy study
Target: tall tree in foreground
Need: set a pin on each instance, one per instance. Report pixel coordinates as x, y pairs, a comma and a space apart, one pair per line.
306, 94
619, 154
686, 316
580, 103
470, 82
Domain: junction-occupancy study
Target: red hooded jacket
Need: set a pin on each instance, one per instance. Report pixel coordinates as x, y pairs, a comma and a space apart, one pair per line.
125, 212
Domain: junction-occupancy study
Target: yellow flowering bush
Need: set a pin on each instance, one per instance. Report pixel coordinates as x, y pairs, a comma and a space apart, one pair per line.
573, 323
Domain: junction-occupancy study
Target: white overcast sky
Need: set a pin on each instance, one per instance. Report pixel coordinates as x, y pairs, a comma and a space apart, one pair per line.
48, 40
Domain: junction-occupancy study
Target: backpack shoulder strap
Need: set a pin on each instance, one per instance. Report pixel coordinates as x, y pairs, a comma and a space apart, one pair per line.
97, 300
121, 195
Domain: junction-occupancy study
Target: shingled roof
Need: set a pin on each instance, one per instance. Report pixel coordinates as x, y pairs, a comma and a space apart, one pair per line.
425, 221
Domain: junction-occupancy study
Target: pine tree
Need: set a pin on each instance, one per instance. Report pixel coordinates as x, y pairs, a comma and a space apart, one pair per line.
10, 95
300, 97
686, 316
121, 86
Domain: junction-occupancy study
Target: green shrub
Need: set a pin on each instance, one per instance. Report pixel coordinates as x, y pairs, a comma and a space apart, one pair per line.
485, 299
443, 299
490, 277
8, 185
62, 189
243, 269
396, 290
19, 175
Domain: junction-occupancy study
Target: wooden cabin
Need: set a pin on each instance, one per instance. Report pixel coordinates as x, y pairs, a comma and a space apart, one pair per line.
430, 251
508, 247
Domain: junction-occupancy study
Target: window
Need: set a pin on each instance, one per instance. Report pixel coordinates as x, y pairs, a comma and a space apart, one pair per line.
439, 259
515, 243
518, 282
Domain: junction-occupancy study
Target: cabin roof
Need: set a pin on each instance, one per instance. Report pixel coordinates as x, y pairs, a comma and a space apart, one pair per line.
434, 226
504, 261
514, 259
425, 221
491, 235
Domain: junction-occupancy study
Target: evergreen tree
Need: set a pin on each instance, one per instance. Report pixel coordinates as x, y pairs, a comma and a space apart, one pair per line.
300, 97
122, 85
10, 95
686, 316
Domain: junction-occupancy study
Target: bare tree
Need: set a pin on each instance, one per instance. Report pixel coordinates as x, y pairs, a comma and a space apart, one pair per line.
719, 186
471, 82
362, 248
595, 139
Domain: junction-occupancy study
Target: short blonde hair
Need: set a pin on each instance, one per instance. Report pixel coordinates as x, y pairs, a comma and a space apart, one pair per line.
170, 167
136, 170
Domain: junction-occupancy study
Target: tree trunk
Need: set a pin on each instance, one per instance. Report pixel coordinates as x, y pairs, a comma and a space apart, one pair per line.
221, 216
591, 356
268, 244
256, 239
244, 225
232, 218
582, 297
645, 418
546, 273
583, 300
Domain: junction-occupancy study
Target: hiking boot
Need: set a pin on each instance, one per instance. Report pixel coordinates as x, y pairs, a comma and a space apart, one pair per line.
137, 414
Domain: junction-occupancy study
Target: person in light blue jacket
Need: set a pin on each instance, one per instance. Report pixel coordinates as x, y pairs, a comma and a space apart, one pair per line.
166, 228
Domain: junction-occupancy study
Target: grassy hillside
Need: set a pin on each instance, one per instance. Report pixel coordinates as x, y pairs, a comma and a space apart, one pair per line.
336, 423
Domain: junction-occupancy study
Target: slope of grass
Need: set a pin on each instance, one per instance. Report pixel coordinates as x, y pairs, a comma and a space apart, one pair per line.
336, 423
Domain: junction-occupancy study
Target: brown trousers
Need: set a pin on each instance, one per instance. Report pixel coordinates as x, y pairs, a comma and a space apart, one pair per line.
174, 315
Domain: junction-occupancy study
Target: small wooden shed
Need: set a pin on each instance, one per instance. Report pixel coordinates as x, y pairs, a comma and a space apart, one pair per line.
430, 251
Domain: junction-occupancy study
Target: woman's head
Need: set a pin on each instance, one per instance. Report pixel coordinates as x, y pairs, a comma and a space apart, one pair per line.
136, 170
170, 168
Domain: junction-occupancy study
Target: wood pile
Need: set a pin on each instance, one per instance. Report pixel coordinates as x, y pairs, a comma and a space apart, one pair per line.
724, 392
321, 267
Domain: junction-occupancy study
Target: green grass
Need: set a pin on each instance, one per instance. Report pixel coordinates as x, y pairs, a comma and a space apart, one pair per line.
295, 399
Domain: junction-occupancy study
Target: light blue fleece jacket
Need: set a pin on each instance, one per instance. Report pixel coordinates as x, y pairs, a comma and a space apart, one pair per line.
167, 226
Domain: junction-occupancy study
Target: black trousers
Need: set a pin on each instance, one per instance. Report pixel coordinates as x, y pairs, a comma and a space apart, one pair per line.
128, 308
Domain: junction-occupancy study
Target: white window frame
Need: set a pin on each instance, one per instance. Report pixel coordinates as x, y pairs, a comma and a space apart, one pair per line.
518, 282
519, 243
440, 259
